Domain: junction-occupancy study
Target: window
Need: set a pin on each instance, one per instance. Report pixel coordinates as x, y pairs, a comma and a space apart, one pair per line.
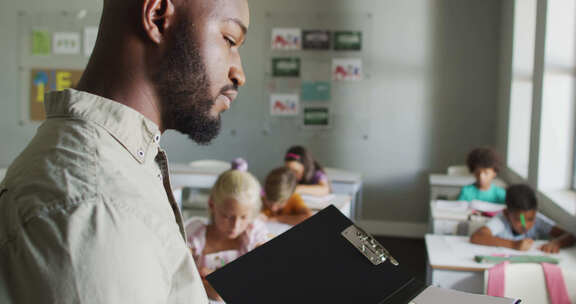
520, 117
542, 119
556, 146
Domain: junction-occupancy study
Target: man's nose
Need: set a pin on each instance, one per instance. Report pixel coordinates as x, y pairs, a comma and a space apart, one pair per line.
236, 73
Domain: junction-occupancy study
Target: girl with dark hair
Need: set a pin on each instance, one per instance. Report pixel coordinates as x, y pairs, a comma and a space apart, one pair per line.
312, 179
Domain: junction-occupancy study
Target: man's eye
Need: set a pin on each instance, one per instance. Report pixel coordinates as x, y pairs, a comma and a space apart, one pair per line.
230, 42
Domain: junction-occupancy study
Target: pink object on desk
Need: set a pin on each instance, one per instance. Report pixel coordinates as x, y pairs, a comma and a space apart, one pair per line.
555, 284
557, 292
496, 282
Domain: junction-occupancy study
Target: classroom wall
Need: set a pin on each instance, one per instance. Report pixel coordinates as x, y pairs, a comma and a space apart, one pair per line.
430, 96
505, 75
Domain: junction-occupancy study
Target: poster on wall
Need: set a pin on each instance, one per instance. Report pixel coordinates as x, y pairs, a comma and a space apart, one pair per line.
347, 69
41, 43
44, 80
286, 67
316, 40
315, 91
286, 39
90, 34
284, 104
316, 117
348, 41
66, 43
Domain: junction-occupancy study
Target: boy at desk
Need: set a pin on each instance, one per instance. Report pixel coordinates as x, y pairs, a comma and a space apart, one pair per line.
281, 203
520, 224
484, 164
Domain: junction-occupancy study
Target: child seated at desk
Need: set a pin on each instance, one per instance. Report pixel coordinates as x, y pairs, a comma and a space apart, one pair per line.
484, 164
281, 204
312, 179
520, 224
232, 230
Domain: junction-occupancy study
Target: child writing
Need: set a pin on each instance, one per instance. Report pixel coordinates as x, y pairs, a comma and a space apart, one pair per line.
280, 202
232, 229
311, 178
520, 224
484, 164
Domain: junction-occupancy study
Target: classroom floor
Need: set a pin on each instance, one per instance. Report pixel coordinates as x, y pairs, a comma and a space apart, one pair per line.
410, 253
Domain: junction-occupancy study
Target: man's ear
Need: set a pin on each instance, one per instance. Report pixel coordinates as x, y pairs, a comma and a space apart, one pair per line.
157, 16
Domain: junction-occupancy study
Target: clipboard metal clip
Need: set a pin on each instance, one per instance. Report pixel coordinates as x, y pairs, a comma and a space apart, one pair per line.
368, 246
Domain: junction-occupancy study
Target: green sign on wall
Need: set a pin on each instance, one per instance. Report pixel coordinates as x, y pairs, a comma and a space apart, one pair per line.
316, 116
348, 41
286, 67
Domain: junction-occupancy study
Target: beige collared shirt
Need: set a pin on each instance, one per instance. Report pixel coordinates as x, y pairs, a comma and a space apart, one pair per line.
87, 214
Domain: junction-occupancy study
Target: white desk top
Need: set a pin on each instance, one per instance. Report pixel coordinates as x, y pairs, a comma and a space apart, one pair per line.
457, 253
334, 175
457, 180
342, 202
179, 168
343, 176
321, 202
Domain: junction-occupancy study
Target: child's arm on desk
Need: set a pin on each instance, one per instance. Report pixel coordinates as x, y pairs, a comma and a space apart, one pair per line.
483, 236
322, 188
560, 239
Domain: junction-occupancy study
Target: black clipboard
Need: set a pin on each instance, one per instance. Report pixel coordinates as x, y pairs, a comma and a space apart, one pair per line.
314, 262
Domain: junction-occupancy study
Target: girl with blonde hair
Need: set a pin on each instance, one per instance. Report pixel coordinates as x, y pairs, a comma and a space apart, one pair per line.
233, 228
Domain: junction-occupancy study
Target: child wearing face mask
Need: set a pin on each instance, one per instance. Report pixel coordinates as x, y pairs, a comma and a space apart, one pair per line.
520, 224
312, 179
484, 164
233, 228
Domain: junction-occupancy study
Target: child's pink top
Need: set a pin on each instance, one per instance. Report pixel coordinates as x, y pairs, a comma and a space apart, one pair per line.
255, 234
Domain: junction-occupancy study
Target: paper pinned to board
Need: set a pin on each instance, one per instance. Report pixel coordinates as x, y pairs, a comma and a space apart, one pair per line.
66, 43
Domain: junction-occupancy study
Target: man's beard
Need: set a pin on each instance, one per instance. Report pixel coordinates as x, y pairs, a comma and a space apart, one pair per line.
184, 89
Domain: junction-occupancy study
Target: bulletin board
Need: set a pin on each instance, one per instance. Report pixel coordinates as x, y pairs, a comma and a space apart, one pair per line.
53, 50
314, 100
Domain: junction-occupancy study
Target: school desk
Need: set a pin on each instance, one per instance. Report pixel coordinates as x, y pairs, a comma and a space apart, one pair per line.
342, 201
184, 175
456, 220
349, 183
451, 261
202, 178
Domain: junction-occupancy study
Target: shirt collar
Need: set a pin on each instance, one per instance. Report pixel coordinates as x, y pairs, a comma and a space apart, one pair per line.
130, 128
